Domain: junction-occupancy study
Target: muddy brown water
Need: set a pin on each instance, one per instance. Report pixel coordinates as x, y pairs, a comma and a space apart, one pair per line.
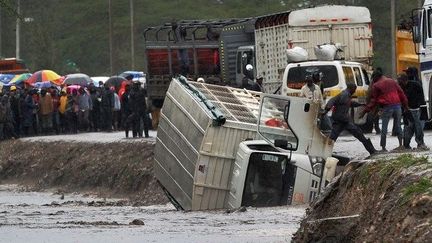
50, 217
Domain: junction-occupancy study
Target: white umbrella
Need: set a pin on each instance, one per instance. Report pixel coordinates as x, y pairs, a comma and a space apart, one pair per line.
77, 79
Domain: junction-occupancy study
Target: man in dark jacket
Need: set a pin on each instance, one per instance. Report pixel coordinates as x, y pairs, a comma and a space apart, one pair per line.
257, 86
6, 119
16, 109
107, 107
138, 108
28, 107
342, 104
95, 112
414, 94
126, 110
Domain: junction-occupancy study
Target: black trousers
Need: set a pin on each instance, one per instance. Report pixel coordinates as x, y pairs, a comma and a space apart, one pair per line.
338, 127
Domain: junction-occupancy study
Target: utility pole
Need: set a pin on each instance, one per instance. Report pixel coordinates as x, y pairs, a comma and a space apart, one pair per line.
17, 30
132, 35
393, 36
110, 37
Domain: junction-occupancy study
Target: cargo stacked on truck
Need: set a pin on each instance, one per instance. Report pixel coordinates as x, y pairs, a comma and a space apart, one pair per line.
207, 155
223, 48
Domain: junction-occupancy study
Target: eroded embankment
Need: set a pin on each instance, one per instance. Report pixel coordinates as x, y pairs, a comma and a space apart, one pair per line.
109, 169
382, 201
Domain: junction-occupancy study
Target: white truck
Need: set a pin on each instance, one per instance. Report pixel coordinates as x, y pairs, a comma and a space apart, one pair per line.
221, 147
422, 36
348, 26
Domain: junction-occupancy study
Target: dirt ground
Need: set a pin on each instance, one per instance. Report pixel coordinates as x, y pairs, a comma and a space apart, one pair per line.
388, 200
114, 169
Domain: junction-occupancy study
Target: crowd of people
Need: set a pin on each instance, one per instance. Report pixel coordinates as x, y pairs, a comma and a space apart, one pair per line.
64, 110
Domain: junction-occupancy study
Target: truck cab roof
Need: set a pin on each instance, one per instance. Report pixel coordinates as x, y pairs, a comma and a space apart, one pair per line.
334, 62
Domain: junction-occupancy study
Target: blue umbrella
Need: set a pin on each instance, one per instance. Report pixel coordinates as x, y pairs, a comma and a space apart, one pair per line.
5, 78
43, 85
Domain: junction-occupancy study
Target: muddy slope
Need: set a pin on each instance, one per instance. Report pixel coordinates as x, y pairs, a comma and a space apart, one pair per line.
382, 201
110, 169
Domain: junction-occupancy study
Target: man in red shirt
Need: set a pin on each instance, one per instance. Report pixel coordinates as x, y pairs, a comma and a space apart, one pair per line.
390, 98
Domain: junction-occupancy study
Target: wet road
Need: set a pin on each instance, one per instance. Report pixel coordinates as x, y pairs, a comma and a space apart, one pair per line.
45, 217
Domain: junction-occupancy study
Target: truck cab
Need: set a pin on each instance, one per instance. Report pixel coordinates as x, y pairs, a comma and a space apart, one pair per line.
422, 37
334, 77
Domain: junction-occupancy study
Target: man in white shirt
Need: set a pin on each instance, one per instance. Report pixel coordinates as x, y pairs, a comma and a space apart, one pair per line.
312, 91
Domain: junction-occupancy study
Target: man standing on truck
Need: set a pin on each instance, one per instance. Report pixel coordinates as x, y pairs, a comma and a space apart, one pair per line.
387, 94
257, 86
342, 104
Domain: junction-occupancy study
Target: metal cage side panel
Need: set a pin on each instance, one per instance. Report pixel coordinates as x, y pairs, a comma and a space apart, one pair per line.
180, 134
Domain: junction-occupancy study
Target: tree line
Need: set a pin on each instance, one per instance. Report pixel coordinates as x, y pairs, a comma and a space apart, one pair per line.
73, 36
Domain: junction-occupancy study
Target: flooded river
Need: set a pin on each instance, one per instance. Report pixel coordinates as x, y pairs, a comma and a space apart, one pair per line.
50, 217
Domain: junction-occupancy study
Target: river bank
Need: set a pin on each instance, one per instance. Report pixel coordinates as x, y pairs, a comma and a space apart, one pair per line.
110, 169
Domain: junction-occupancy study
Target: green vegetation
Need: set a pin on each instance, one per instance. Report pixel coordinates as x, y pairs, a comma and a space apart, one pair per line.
423, 186
386, 167
55, 33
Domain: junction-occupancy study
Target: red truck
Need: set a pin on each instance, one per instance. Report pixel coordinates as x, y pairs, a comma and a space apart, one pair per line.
12, 66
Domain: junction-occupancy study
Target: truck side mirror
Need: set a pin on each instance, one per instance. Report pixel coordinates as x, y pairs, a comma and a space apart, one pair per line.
281, 143
416, 31
416, 34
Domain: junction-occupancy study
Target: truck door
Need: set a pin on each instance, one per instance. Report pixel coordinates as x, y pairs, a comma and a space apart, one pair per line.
425, 50
291, 124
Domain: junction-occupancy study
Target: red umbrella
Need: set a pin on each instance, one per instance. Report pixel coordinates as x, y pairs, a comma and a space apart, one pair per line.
44, 76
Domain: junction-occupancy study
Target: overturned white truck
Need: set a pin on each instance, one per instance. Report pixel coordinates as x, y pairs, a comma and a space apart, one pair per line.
222, 147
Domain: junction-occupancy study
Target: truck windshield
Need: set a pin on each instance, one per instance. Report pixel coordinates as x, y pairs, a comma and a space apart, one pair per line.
297, 75
269, 180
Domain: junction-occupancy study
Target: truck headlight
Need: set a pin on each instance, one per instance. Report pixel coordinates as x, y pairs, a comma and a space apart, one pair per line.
317, 169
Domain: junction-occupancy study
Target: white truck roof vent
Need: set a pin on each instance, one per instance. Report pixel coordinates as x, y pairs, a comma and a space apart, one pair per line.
297, 54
